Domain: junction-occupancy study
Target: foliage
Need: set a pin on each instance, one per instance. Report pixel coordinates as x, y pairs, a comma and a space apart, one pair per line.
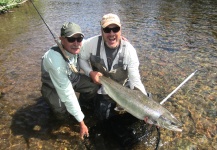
9, 2
5, 5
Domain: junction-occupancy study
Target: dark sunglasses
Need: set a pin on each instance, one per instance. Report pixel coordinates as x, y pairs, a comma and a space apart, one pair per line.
108, 30
72, 39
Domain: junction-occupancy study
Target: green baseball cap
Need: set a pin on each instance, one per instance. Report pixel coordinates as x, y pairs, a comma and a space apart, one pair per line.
69, 29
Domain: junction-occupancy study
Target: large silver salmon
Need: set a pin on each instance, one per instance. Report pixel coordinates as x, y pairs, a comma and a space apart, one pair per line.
139, 105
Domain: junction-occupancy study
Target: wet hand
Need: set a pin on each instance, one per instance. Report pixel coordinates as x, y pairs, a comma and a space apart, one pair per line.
146, 121
83, 135
95, 76
83, 130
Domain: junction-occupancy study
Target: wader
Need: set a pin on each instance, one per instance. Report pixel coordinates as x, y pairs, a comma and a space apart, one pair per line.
81, 84
104, 105
123, 128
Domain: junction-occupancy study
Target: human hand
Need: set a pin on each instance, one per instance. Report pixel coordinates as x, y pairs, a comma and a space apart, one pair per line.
146, 121
83, 130
95, 76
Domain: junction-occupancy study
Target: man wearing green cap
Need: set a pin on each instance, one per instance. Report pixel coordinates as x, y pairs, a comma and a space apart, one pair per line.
60, 82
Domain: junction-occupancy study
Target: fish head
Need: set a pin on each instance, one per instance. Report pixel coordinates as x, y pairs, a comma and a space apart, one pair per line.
168, 121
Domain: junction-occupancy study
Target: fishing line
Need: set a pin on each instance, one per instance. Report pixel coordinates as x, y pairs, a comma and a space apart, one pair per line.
43, 19
71, 66
158, 139
148, 132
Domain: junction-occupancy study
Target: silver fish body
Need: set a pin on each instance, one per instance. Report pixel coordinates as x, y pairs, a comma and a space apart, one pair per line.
139, 105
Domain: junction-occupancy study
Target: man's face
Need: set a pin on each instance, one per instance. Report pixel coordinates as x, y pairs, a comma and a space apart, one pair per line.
72, 44
112, 35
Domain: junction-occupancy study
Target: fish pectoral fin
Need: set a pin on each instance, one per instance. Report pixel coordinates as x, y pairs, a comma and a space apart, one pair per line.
119, 108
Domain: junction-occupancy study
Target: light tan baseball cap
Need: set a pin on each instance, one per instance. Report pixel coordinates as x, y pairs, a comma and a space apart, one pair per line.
110, 19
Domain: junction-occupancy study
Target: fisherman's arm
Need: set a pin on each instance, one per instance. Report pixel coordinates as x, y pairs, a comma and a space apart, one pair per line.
88, 71
66, 93
87, 48
69, 98
133, 70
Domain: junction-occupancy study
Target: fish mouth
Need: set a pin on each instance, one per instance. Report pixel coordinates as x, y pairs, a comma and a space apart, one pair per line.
170, 123
171, 127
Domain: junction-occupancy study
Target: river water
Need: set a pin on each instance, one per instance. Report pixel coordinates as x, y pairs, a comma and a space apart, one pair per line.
172, 38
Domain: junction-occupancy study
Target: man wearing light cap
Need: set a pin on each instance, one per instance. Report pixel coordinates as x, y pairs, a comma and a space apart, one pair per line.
59, 82
109, 55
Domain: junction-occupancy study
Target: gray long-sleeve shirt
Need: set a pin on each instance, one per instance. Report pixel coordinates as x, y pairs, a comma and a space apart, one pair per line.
130, 59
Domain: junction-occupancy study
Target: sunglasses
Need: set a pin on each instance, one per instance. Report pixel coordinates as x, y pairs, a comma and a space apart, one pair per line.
72, 39
108, 30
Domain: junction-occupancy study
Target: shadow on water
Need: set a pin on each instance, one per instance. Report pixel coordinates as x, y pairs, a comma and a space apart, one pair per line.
124, 132
120, 132
34, 121
37, 121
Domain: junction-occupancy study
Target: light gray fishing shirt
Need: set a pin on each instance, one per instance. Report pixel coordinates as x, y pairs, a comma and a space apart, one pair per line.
59, 70
130, 60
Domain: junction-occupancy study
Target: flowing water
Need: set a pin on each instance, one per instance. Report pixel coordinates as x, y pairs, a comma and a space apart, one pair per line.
172, 38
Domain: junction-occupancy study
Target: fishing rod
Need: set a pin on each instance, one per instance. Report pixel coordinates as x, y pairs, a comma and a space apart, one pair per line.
165, 99
71, 66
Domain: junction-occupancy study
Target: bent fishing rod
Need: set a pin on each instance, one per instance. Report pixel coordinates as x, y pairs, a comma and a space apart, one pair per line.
71, 66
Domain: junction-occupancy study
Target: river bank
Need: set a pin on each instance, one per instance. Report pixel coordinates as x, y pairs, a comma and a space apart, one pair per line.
7, 5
